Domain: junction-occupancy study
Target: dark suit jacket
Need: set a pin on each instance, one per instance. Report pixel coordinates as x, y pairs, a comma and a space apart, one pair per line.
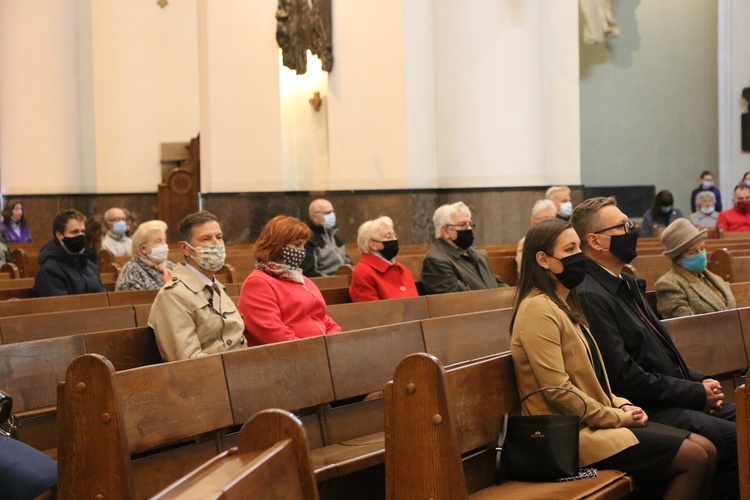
447, 269
643, 366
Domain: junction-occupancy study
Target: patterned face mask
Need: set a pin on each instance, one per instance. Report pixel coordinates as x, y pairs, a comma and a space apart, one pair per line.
293, 257
209, 257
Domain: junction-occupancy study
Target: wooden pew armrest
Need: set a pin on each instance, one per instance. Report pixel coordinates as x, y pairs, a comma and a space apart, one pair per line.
608, 484
349, 456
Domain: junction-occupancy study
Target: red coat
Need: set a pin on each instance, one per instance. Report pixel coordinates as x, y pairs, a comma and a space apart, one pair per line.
731, 220
276, 310
375, 279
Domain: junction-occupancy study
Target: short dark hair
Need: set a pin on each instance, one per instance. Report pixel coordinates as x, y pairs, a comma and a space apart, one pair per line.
62, 218
705, 173
185, 229
585, 218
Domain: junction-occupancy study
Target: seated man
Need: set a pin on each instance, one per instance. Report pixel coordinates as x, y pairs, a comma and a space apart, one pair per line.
325, 251
560, 196
737, 218
542, 210
63, 267
116, 240
452, 265
192, 315
642, 362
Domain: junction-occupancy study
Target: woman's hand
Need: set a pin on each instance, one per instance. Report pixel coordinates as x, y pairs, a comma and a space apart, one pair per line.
634, 416
167, 275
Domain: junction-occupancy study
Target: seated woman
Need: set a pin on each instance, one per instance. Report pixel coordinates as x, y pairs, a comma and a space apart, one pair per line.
277, 302
149, 269
661, 214
552, 346
705, 214
688, 288
377, 275
14, 223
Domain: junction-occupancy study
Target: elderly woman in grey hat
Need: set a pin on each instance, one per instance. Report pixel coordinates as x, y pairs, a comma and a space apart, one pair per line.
689, 288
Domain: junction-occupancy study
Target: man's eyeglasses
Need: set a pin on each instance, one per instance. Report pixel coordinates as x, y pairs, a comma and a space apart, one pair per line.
463, 225
626, 226
325, 213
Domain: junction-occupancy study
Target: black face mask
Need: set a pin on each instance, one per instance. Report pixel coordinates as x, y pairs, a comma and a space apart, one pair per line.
464, 239
75, 244
390, 249
574, 270
622, 246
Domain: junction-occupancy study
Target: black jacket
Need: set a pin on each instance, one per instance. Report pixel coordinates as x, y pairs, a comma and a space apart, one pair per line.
447, 269
643, 366
61, 273
325, 253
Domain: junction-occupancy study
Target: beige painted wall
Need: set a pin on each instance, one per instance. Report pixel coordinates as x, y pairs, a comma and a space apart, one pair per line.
649, 100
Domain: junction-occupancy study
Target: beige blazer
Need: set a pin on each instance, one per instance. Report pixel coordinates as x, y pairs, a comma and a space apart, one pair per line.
681, 293
191, 320
549, 349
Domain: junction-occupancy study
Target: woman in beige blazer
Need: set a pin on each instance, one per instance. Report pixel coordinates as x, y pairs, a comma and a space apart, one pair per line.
551, 346
688, 288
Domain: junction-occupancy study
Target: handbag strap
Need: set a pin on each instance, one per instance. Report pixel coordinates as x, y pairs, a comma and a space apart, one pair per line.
504, 430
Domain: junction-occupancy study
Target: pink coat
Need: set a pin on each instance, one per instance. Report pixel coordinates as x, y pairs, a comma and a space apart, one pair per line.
375, 279
276, 310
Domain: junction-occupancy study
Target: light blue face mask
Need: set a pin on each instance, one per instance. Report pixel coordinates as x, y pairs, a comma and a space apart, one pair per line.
666, 210
119, 227
696, 263
329, 220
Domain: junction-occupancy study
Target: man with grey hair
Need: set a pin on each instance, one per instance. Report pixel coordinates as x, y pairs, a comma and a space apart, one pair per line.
452, 265
116, 240
542, 210
325, 252
560, 196
706, 212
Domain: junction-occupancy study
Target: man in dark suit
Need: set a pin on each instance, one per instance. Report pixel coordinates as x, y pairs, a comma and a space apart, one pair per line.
643, 364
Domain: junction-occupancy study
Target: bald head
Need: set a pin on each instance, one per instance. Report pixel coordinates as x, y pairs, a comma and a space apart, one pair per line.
319, 209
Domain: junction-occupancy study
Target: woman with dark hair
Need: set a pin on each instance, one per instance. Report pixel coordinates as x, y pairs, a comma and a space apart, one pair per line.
277, 302
661, 214
552, 346
14, 223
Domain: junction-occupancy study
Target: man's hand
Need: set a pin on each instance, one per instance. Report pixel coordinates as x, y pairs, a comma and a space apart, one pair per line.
714, 395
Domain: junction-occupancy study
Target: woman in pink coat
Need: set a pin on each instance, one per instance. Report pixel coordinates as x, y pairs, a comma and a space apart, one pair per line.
377, 275
277, 302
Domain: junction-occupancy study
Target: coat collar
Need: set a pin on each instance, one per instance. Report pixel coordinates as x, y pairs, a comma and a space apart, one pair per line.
690, 277
191, 279
450, 249
380, 265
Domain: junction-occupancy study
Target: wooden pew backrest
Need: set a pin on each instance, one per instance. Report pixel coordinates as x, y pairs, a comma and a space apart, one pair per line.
378, 313
450, 304
40, 305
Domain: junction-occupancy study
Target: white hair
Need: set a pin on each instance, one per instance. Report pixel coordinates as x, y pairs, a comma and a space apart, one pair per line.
556, 189
371, 230
145, 231
541, 205
444, 215
703, 195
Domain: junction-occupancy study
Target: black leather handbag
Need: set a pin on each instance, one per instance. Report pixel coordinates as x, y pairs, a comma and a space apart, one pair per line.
540, 447
8, 423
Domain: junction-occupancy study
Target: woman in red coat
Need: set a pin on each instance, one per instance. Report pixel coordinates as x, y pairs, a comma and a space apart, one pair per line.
277, 303
377, 275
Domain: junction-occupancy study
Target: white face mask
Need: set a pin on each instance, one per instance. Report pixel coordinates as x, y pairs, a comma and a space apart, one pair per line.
159, 254
708, 210
566, 209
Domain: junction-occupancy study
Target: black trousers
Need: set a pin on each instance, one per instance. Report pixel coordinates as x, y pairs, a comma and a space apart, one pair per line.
719, 428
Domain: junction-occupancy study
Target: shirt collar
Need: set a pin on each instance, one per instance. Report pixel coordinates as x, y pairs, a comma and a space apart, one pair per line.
200, 276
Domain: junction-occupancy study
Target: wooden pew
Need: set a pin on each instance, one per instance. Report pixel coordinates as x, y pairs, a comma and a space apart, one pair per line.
131, 297
651, 268
26, 259
40, 305
505, 267
60, 324
729, 266
336, 295
449, 304
741, 292
325, 282
31, 370
713, 344
377, 313
272, 460
742, 402
434, 416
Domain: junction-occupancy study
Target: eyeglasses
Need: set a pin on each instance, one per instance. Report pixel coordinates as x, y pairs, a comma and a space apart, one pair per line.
626, 226
389, 236
325, 213
463, 225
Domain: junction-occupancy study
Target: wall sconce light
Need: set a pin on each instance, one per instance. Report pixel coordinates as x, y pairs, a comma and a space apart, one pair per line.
316, 101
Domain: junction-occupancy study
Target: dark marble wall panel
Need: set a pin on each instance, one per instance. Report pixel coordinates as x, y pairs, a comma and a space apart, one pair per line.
502, 214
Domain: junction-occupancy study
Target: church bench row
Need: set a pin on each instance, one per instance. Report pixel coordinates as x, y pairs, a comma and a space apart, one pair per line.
304, 375
742, 400
272, 460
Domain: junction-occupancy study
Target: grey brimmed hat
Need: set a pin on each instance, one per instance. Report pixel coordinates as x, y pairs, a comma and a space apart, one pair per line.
678, 237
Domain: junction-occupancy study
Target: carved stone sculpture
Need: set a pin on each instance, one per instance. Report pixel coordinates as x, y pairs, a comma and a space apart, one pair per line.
304, 25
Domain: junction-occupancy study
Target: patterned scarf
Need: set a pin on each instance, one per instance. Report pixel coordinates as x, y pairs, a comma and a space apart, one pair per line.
281, 271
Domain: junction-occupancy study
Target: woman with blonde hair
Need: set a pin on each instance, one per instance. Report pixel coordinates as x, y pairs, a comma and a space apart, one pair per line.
377, 275
149, 269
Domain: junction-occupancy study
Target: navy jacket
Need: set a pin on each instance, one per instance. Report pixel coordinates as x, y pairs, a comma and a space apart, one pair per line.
643, 366
61, 273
